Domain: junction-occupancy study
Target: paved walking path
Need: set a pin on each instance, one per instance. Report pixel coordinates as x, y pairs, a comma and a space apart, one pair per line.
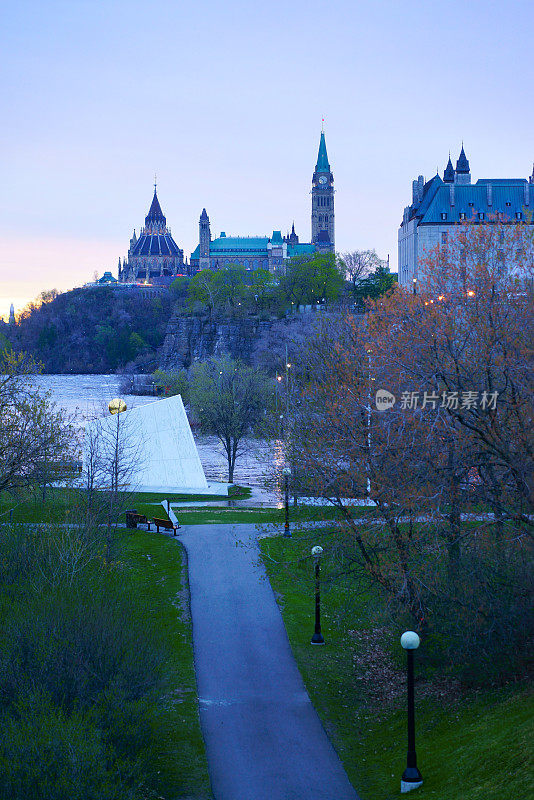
264, 740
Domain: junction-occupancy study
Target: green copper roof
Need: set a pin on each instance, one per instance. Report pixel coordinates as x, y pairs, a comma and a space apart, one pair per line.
300, 249
239, 243
322, 157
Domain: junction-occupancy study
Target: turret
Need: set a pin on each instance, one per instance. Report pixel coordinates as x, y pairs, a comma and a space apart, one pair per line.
463, 174
204, 236
12, 314
448, 175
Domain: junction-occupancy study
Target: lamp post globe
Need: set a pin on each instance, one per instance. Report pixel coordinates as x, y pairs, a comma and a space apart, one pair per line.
116, 406
410, 640
317, 637
286, 472
411, 777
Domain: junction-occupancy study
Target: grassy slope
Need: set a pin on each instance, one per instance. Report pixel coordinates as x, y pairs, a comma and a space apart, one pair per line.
156, 564
476, 748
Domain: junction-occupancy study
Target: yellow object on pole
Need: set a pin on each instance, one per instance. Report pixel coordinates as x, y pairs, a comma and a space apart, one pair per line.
116, 406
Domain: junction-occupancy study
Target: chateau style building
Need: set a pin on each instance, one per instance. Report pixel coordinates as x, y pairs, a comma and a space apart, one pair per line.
271, 252
438, 205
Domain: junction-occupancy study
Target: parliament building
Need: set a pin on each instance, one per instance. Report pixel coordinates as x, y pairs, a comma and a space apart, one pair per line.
155, 258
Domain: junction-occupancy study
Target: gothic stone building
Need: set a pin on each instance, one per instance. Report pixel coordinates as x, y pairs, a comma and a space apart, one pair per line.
271, 252
438, 205
154, 257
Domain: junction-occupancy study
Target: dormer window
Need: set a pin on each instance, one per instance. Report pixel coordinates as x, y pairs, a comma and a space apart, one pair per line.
443, 215
508, 203
471, 204
519, 215
462, 214
481, 215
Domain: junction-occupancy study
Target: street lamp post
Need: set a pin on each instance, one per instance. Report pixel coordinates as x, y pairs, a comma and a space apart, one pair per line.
287, 473
317, 637
411, 777
414, 281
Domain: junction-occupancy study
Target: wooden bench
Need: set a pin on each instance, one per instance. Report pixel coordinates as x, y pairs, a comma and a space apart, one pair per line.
138, 519
166, 524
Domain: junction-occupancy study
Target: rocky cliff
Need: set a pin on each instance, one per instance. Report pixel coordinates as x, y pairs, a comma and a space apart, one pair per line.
189, 339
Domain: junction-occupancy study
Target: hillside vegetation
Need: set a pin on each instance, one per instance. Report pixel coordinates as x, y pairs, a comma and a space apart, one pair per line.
93, 331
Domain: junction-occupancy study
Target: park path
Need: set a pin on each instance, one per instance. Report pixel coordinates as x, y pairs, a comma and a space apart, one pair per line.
264, 740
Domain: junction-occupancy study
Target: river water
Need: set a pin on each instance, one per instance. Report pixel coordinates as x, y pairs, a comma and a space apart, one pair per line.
87, 396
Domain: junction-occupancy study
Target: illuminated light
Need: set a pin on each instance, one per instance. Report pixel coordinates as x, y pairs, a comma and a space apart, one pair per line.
470, 293
279, 378
116, 406
441, 297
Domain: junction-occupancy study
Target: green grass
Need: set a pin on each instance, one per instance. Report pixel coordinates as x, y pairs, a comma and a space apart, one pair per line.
473, 748
156, 565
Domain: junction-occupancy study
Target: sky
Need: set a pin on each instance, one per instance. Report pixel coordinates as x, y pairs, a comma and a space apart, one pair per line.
223, 101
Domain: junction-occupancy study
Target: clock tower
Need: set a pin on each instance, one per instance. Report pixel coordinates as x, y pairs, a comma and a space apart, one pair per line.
322, 218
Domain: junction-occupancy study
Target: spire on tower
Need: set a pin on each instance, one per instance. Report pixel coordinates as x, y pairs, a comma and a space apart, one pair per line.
155, 214
462, 165
322, 157
448, 175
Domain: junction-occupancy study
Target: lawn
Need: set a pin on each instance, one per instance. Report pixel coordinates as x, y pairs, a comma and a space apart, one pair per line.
157, 567
470, 745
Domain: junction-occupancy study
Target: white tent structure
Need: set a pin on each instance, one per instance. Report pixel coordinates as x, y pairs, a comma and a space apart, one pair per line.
158, 449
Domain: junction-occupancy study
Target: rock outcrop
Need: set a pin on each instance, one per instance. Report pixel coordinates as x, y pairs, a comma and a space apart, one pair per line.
189, 339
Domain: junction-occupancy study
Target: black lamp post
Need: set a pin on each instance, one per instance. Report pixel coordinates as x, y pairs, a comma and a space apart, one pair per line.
414, 281
411, 777
317, 637
287, 473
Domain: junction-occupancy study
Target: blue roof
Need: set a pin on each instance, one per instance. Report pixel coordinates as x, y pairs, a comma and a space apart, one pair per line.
507, 197
155, 244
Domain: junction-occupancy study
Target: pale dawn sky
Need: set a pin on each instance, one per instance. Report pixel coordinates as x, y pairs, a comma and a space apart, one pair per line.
224, 100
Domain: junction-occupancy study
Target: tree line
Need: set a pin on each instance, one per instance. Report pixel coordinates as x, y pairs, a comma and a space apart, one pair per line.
425, 407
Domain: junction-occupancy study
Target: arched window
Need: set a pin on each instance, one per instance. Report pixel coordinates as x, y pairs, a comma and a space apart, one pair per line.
246, 263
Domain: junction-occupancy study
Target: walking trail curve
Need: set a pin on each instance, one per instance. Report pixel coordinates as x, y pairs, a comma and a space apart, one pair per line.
264, 740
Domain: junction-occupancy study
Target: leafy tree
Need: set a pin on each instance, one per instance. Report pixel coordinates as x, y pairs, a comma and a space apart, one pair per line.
311, 279
229, 285
201, 289
375, 285
171, 383
230, 399
263, 285
35, 439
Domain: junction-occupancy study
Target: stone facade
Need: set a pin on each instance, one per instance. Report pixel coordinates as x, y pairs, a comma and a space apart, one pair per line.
272, 252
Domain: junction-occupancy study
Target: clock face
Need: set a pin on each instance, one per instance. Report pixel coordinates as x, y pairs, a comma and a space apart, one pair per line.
322, 179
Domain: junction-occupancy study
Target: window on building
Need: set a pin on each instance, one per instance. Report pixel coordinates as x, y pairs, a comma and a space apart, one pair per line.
481, 215
508, 203
462, 214
471, 203
444, 237
519, 215
443, 215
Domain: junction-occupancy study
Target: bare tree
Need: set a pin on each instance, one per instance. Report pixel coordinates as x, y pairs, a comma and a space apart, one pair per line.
358, 264
230, 400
